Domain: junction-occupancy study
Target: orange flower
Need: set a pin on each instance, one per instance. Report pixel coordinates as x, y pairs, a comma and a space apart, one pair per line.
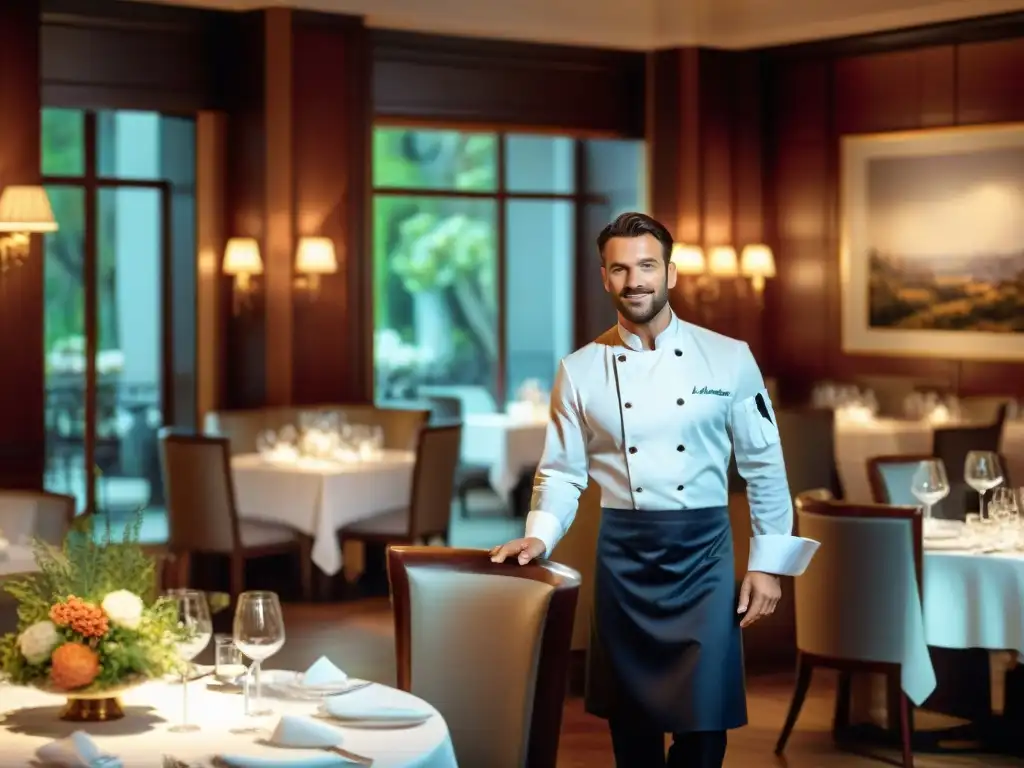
73, 666
86, 619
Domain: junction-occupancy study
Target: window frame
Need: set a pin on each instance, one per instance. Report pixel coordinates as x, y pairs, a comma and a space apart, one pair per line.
501, 196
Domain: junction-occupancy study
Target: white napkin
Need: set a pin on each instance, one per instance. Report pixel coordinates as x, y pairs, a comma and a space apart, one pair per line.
304, 733
76, 751
321, 760
366, 705
323, 673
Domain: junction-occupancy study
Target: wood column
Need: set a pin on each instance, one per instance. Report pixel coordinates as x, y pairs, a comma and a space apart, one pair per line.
22, 398
298, 154
706, 176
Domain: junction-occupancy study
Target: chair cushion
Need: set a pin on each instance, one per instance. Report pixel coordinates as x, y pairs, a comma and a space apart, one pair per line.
255, 534
393, 523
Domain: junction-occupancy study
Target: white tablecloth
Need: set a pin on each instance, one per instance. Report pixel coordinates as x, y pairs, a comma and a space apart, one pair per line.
509, 445
143, 736
857, 441
974, 600
318, 498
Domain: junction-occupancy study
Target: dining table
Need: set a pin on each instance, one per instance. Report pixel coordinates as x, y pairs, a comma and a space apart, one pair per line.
226, 735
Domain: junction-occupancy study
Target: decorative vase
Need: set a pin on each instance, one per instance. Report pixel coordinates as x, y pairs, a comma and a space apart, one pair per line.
89, 710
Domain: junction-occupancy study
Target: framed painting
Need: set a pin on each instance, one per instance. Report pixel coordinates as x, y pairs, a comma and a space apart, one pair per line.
932, 243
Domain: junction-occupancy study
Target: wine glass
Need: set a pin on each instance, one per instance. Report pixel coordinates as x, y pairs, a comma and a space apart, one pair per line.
259, 634
983, 473
929, 484
195, 628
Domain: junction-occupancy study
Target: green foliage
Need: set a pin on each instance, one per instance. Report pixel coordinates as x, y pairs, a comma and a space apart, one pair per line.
90, 569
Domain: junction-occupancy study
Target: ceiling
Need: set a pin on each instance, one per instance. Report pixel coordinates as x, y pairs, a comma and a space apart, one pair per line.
643, 24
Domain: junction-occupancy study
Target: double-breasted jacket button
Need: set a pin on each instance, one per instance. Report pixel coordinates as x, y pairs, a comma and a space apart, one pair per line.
679, 353
632, 449
622, 358
639, 490
680, 448
628, 405
679, 487
679, 401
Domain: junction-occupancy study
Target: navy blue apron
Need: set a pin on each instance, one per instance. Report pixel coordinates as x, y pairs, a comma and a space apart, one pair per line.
665, 639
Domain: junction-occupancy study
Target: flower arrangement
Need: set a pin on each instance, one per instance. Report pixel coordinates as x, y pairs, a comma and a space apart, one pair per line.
89, 620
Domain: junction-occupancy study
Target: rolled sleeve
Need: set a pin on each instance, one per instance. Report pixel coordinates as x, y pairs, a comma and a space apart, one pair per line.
759, 459
562, 473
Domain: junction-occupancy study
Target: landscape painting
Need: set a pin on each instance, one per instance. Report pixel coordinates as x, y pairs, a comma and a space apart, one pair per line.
933, 243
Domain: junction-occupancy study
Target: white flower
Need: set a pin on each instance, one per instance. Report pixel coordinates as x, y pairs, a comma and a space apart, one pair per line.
123, 608
38, 641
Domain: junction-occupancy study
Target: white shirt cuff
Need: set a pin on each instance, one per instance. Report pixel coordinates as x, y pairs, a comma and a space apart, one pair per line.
781, 555
546, 527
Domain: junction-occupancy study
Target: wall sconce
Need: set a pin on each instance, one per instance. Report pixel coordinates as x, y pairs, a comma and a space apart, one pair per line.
242, 261
757, 263
691, 266
314, 257
24, 210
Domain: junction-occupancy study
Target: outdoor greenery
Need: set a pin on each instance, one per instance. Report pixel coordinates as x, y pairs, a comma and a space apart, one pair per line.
437, 254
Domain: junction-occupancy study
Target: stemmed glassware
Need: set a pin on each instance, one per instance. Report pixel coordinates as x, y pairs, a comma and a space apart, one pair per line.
929, 484
259, 634
195, 630
982, 472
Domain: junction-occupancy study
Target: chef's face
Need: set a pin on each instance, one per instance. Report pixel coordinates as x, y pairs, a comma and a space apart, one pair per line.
636, 275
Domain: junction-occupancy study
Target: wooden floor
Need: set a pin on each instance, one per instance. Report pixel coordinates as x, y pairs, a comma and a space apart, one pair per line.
358, 637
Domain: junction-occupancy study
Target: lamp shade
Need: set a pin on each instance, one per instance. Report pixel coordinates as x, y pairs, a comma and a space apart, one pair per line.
26, 209
722, 261
757, 261
316, 256
242, 257
689, 259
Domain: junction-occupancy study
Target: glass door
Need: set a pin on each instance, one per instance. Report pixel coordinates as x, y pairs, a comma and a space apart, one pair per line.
108, 320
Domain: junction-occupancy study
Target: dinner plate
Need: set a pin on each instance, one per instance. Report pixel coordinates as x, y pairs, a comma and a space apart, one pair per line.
352, 713
290, 685
948, 545
937, 530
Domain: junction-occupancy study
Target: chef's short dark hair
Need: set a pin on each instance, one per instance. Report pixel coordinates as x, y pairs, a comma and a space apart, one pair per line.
634, 224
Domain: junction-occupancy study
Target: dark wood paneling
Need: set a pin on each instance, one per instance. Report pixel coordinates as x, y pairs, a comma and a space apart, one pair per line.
21, 288
332, 332
706, 167
244, 375
130, 55
498, 82
817, 96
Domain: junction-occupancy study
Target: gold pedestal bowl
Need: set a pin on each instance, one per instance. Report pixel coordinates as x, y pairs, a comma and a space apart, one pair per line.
94, 706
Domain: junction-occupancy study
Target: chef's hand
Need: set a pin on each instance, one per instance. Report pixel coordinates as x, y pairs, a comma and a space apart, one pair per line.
759, 594
525, 549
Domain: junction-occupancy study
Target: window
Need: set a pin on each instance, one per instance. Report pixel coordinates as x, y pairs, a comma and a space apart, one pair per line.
474, 262
118, 183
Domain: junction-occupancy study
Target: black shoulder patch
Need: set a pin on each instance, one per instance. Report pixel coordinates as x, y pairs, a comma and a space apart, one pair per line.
762, 407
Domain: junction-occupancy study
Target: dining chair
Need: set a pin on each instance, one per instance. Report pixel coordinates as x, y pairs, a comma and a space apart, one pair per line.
487, 644
203, 518
27, 515
853, 600
429, 511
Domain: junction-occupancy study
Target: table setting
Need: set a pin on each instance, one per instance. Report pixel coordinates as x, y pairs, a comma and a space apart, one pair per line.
100, 674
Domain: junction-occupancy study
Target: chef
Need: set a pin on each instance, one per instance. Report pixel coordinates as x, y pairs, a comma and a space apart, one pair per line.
652, 410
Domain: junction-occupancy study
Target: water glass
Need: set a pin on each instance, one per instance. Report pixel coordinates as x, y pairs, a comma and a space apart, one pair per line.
982, 472
258, 634
227, 660
195, 628
929, 484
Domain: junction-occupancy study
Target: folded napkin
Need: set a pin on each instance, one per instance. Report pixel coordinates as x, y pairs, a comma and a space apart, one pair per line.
76, 751
323, 673
305, 733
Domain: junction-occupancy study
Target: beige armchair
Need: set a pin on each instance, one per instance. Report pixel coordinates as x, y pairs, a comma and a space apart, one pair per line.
509, 627
27, 515
858, 606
